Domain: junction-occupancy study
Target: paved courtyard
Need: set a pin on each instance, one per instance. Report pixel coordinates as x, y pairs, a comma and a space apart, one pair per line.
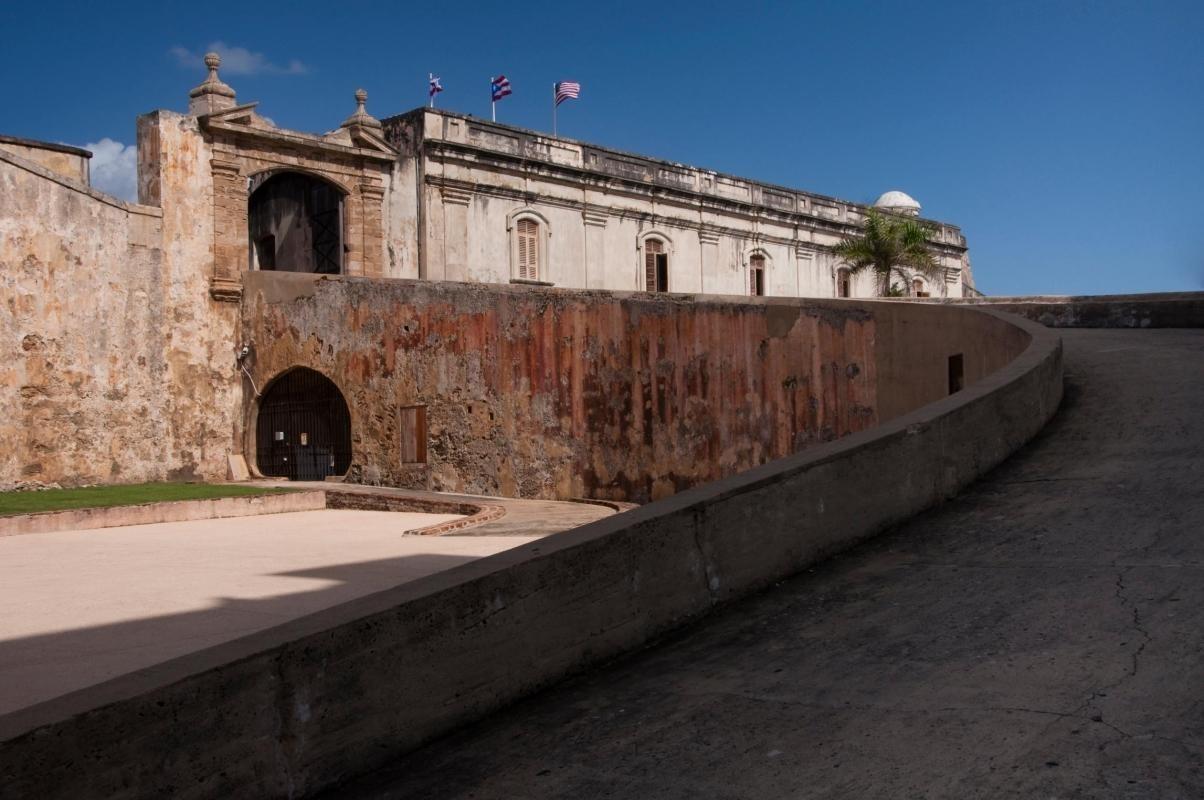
79, 607
1040, 636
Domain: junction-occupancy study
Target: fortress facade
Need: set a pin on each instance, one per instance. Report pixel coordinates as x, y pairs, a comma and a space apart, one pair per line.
163, 339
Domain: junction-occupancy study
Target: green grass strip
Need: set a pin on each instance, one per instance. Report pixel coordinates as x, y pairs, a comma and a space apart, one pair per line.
122, 495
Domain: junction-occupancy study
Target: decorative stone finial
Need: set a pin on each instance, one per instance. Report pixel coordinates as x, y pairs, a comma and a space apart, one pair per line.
212, 95
361, 117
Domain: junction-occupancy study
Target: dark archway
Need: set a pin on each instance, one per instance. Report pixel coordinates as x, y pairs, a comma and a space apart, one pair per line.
296, 223
303, 431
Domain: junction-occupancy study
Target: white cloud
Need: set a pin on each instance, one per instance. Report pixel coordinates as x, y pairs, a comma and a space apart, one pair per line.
237, 61
114, 168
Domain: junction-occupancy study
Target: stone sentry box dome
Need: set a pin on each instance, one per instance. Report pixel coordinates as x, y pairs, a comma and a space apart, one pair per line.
898, 203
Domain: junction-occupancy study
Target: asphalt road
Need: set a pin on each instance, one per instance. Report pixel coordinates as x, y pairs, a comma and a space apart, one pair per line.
1041, 636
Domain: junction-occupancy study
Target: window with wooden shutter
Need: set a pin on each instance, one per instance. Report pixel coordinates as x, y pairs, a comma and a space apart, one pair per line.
413, 434
756, 276
843, 284
527, 231
656, 266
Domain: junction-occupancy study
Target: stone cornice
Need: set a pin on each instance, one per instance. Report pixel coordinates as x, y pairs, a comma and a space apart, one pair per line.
459, 196
291, 139
462, 192
533, 145
577, 177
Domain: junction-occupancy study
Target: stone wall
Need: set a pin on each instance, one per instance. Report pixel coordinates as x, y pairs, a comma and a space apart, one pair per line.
116, 365
548, 393
294, 710
535, 392
83, 357
63, 160
202, 387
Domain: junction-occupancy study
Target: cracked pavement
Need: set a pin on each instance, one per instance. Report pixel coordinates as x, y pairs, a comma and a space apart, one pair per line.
1039, 636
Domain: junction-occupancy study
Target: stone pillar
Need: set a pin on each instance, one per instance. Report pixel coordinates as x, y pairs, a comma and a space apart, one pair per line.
455, 234
595, 249
372, 198
708, 259
230, 247
804, 271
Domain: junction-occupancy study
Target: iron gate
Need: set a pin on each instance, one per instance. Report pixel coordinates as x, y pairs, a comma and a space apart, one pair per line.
303, 431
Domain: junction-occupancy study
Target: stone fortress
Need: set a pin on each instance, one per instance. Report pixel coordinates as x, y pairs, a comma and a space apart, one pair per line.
418, 345
434, 301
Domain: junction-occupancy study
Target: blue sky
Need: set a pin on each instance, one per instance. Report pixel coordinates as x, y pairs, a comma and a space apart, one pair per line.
1066, 138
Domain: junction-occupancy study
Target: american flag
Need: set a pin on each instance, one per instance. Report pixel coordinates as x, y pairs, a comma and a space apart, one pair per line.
436, 87
500, 86
566, 90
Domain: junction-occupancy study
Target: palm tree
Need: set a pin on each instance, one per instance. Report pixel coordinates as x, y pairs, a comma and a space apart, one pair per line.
889, 243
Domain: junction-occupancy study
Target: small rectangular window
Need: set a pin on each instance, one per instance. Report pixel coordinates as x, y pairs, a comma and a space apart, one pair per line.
956, 373
413, 434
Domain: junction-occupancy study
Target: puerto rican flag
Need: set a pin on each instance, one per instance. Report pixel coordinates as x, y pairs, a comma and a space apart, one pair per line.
500, 87
436, 86
567, 90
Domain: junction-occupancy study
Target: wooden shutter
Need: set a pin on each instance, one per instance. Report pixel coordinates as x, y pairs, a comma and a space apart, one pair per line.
528, 249
756, 276
652, 248
413, 434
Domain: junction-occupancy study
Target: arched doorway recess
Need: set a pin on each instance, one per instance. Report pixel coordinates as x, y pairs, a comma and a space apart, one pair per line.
303, 428
296, 223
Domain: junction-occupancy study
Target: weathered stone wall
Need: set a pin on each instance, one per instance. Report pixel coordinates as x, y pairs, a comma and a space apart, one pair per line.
63, 160
536, 392
548, 393
293, 710
202, 386
116, 365
84, 371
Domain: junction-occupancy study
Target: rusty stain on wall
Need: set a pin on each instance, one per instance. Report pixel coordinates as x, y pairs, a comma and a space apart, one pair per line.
558, 393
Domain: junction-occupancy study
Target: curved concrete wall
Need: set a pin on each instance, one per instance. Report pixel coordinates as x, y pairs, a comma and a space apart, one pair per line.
302, 706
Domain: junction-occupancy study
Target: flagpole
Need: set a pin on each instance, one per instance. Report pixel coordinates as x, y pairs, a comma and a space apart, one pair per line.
553, 109
492, 101
431, 77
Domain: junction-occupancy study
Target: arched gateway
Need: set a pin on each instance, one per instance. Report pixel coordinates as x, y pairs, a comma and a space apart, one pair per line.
296, 223
303, 430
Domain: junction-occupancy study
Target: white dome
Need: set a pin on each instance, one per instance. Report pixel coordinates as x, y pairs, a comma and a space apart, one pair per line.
899, 202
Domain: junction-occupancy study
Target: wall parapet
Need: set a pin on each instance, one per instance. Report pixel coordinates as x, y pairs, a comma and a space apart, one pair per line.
1154, 310
76, 186
267, 716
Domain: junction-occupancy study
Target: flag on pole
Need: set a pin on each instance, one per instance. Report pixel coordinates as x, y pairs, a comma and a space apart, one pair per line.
500, 87
567, 90
436, 86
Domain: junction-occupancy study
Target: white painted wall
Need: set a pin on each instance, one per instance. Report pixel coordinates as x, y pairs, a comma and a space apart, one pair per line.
594, 224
